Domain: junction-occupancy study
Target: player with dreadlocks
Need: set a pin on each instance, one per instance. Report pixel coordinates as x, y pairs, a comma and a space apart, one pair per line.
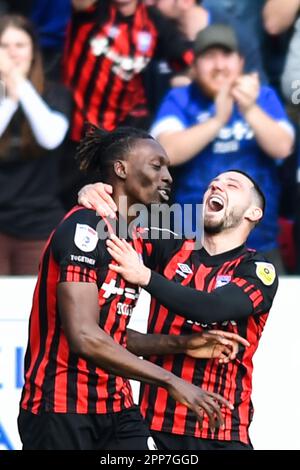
75, 395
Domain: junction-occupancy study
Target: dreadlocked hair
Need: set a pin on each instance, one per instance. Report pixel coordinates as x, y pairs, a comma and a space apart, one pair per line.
99, 149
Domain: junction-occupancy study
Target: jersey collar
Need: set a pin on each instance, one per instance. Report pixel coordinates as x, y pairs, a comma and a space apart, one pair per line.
222, 257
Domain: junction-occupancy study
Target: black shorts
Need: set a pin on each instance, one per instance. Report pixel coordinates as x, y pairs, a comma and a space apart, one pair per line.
167, 441
125, 430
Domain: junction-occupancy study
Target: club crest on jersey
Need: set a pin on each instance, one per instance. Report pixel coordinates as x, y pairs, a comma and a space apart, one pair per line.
265, 272
183, 270
144, 41
222, 280
86, 238
113, 32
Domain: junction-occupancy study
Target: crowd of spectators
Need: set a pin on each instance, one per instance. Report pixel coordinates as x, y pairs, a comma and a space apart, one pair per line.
216, 81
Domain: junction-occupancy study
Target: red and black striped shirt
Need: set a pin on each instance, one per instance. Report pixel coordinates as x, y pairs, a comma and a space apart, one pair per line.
57, 380
240, 271
105, 56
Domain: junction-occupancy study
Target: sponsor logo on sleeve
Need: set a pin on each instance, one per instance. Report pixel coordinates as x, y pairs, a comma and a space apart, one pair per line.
83, 259
85, 238
265, 272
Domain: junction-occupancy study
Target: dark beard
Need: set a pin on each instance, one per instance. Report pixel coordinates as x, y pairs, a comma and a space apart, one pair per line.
213, 229
231, 221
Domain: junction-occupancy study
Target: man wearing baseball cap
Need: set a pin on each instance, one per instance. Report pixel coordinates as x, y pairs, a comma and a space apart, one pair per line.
226, 119
216, 35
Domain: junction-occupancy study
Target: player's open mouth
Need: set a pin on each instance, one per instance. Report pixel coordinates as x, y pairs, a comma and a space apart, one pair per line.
215, 203
164, 194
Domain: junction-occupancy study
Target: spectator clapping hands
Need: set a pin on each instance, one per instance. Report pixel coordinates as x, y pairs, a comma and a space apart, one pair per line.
245, 91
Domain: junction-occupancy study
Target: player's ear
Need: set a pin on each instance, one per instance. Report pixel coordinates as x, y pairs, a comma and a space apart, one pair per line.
254, 214
120, 169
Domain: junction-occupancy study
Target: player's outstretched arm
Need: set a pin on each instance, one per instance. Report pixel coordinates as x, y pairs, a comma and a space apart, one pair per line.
215, 344
229, 302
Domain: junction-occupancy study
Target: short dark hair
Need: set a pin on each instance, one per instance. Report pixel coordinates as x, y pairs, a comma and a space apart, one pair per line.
99, 148
258, 191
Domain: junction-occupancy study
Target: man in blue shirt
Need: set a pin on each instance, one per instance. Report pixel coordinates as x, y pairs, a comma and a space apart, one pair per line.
224, 120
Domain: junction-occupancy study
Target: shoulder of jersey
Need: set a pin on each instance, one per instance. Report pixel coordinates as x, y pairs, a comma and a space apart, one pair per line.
84, 224
264, 270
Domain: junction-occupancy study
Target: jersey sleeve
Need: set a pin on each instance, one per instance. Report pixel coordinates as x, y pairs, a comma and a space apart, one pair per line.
250, 292
259, 282
75, 248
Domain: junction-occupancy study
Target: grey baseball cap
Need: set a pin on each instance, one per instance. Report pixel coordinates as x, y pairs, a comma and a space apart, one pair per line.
216, 35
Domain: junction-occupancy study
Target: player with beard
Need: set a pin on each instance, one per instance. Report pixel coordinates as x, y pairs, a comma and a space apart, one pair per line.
224, 285
75, 395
